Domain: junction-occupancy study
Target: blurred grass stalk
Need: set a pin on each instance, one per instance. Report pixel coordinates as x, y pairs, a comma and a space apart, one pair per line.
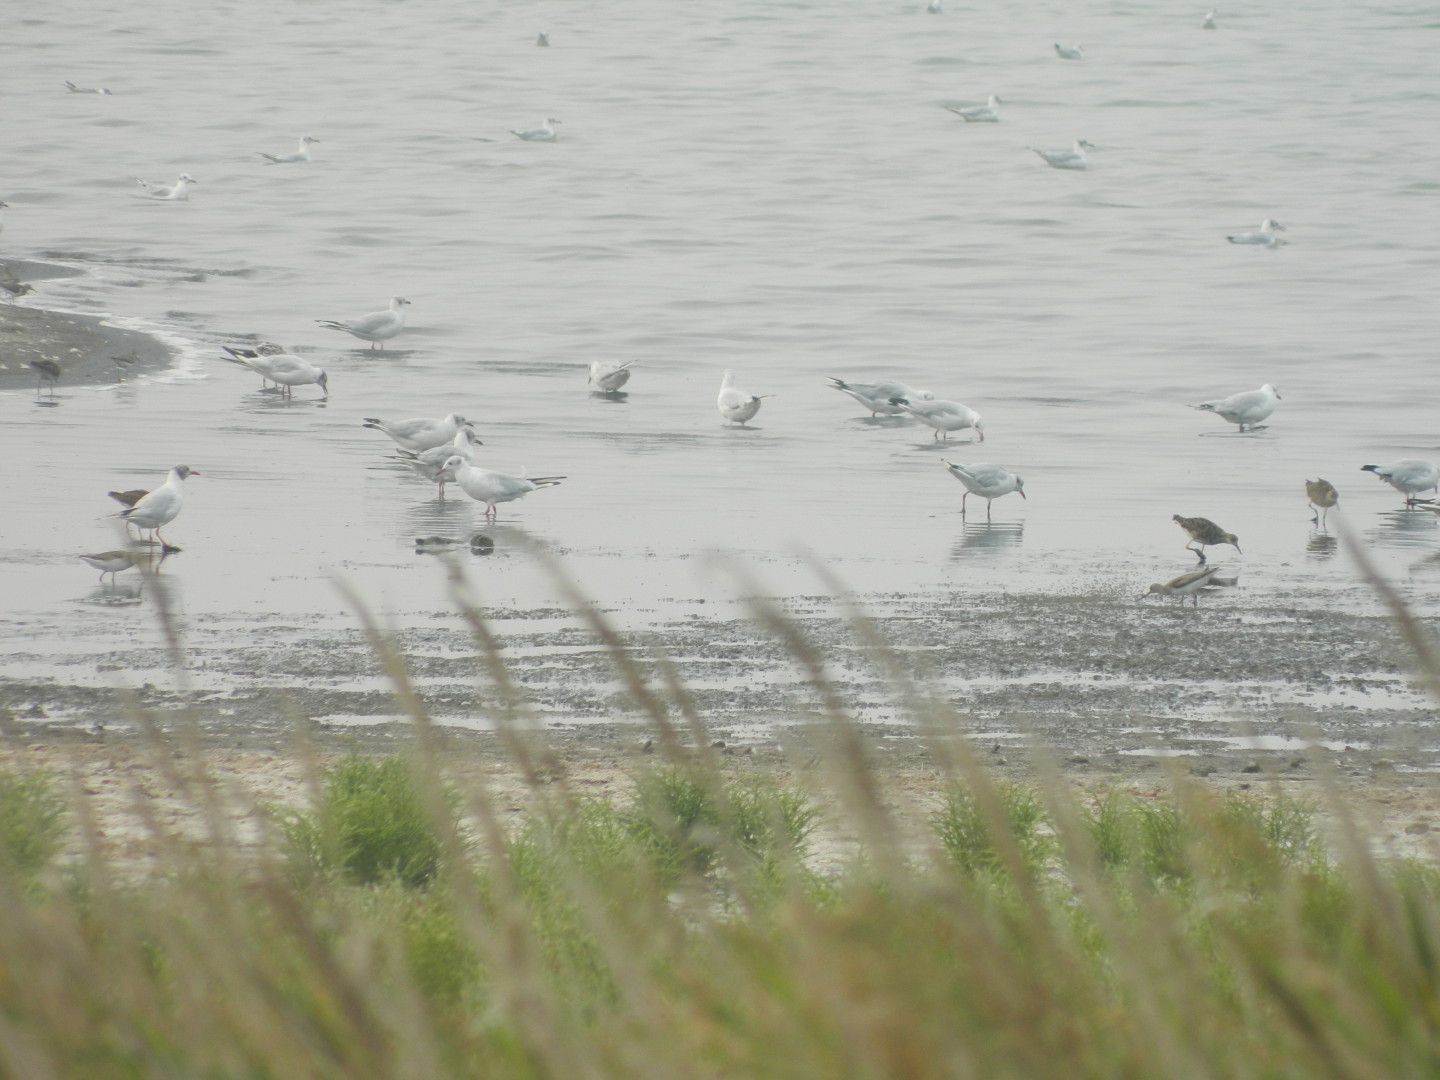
403, 925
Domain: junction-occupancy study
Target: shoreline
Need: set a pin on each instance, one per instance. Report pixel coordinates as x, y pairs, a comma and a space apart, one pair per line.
82, 345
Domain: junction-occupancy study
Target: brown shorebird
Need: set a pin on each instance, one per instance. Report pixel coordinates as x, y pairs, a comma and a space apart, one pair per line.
124, 362
1322, 495
49, 371
1191, 584
10, 283
128, 498
112, 562
1205, 533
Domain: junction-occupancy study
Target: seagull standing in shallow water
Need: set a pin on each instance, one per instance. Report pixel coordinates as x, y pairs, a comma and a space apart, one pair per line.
608, 376
1265, 237
734, 404
376, 327
302, 154
177, 192
989, 113
431, 463
986, 480
420, 433
1074, 158
1246, 409
879, 396
161, 506
284, 369
943, 416
491, 487
1409, 476
544, 133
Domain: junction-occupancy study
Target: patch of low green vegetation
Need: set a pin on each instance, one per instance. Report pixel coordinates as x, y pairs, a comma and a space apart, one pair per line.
32, 821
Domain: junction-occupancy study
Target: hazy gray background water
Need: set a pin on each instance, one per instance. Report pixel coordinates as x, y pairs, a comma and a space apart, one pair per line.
773, 188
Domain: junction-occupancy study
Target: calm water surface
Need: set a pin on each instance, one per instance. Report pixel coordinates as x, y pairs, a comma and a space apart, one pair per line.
773, 188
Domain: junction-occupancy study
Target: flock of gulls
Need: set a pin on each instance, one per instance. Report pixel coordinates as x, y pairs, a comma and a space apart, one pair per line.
445, 450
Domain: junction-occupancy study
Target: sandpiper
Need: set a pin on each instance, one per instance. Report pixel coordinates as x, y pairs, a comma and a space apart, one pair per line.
1205, 533
49, 372
128, 498
1322, 496
1409, 476
112, 562
124, 362
1191, 584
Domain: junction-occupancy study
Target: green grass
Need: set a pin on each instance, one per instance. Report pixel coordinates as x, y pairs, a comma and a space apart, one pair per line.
32, 821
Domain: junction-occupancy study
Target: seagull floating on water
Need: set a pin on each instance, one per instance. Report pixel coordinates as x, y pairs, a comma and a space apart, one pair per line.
302, 154
934, 7
491, 487
86, 89
285, 369
1205, 533
879, 396
542, 40
608, 376
544, 133
943, 416
431, 463
1074, 158
988, 481
989, 113
1409, 476
1265, 237
376, 327
1070, 52
1246, 409
161, 506
176, 192
420, 433
735, 405
1208, 22
1322, 496
1191, 584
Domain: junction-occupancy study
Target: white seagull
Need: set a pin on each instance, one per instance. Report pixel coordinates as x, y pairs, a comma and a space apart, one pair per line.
989, 113
608, 376
943, 416
1246, 409
544, 133
1409, 476
1265, 237
1070, 52
1191, 584
161, 506
177, 192
286, 369
376, 327
492, 488
1208, 22
265, 348
421, 432
85, 90
1074, 158
302, 154
986, 480
431, 463
878, 396
736, 406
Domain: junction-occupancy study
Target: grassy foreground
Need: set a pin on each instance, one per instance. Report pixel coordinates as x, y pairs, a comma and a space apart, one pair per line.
403, 925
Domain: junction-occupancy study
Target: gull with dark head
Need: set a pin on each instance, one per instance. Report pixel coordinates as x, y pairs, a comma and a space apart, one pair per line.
734, 404
878, 396
282, 368
161, 506
431, 463
1409, 476
1246, 409
377, 326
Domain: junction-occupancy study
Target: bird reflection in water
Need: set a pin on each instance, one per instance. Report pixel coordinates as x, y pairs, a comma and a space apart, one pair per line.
987, 537
1408, 527
1321, 545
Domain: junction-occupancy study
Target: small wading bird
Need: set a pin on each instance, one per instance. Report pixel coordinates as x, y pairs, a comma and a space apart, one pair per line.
111, 562
176, 192
49, 372
301, 154
1246, 409
85, 89
1409, 476
377, 326
431, 463
1264, 236
989, 113
161, 506
128, 498
284, 369
986, 480
608, 376
420, 433
1205, 533
879, 396
735, 405
492, 488
1191, 584
1322, 496
123, 363
1070, 52
1074, 158
943, 416
8, 281
544, 133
